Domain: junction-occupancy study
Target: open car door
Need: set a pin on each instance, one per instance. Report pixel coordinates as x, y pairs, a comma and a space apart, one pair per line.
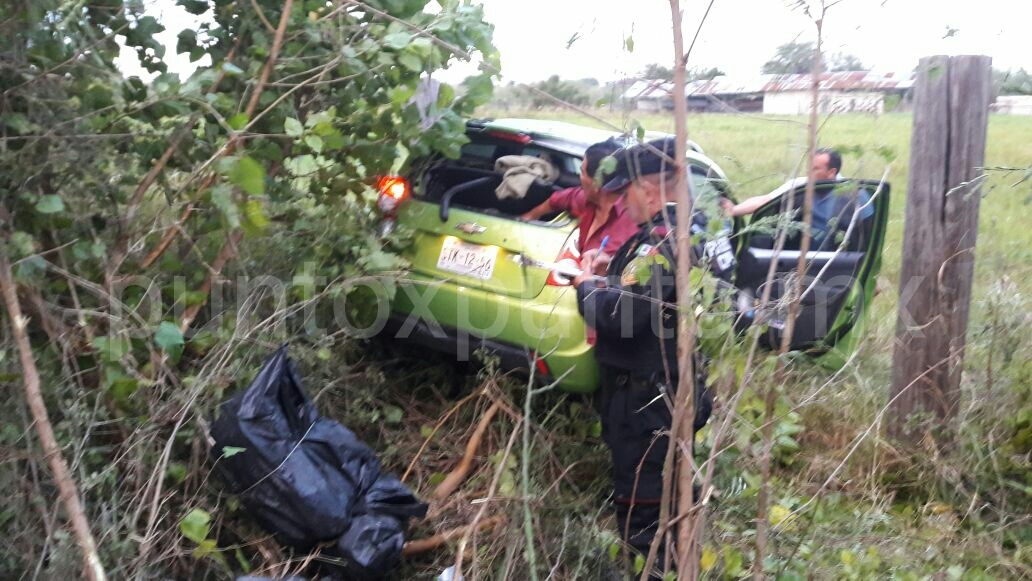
850, 219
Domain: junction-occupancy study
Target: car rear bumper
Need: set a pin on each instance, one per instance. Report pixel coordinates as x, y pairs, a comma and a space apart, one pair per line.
579, 373
457, 320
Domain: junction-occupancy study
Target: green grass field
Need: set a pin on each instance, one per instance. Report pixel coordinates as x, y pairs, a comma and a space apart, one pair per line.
759, 152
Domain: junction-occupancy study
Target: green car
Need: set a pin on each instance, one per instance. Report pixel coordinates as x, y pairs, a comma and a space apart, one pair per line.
481, 278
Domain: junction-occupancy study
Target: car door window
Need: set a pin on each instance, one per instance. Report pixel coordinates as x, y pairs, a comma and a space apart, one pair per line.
838, 261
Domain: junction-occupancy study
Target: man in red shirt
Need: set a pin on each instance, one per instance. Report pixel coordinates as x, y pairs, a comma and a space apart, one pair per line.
601, 214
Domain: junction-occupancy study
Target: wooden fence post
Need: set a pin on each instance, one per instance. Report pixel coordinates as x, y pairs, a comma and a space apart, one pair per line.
947, 153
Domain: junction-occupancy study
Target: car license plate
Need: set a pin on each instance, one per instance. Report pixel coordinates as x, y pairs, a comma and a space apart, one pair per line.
471, 260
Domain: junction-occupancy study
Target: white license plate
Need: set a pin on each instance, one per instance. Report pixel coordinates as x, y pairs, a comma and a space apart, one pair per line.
467, 259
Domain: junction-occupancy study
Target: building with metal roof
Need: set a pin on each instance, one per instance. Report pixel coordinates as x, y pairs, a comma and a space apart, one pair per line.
840, 92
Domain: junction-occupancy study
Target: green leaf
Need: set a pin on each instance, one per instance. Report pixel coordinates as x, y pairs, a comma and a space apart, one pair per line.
111, 348
120, 386
196, 7
445, 96
248, 175
231, 69
732, 561
195, 525
19, 123
230, 451
613, 551
410, 62
397, 40
168, 337
49, 204
292, 127
222, 198
478, 89
302, 165
639, 564
393, 414
315, 142
186, 41
401, 94
422, 46
605, 166
23, 244
238, 121
241, 560
255, 222
176, 472
30, 268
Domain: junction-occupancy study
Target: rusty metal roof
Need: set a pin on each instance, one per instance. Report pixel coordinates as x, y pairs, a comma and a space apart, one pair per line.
841, 81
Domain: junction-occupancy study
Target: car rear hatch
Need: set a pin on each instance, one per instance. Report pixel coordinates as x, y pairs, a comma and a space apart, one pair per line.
465, 233
480, 250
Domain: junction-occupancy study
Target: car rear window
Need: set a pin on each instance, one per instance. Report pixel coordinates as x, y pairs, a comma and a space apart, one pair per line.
484, 152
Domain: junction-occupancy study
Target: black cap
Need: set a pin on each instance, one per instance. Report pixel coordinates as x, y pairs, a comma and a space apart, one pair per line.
642, 159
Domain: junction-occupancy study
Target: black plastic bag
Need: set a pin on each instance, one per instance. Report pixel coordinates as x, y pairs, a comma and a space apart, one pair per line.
308, 479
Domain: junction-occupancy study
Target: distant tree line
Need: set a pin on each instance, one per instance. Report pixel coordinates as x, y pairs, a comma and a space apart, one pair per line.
580, 92
1008, 82
789, 58
657, 72
798, 58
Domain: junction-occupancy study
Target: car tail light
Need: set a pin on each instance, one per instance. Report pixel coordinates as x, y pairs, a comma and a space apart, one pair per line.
506, 135
542, 367
569, 257
393, 191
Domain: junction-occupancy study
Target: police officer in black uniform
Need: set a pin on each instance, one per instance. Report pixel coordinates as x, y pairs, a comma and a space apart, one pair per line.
633, 311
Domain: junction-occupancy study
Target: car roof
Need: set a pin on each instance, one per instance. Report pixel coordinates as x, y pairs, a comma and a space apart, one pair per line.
574, 139
550, 130
557, 130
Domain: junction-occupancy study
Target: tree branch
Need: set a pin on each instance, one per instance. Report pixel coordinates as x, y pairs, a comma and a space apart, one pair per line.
229, 249
67, 488
456, 476
430, 543
770, 398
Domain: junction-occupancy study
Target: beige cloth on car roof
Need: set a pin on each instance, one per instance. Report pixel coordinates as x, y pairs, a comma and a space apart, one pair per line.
519, 173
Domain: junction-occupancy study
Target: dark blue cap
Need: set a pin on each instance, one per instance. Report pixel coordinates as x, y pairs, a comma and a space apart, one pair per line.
642, 159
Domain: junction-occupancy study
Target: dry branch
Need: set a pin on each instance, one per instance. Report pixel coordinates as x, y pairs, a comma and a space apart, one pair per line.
469, 536
227, 252
430, 543
167, 239
437, 427
795, 300
682, 420
119, 252
456, 476
67, 488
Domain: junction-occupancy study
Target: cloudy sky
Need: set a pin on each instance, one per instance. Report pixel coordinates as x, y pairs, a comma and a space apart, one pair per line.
738, 36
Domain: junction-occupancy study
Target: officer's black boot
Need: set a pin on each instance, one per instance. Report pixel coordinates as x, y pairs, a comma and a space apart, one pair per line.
642, 528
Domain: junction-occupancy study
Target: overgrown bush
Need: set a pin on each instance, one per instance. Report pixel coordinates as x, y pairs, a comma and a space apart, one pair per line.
138, 216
